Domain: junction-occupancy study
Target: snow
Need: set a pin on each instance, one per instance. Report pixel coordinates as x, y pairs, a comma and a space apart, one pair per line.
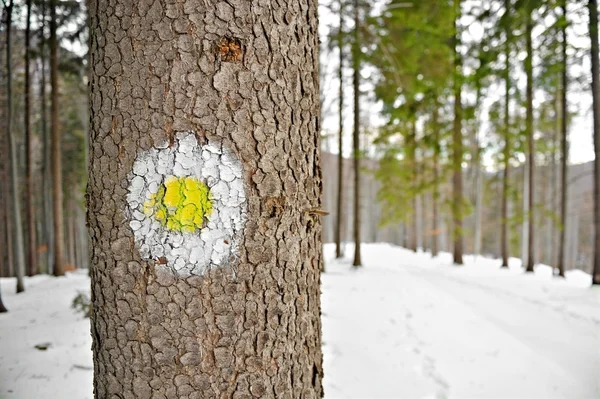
40, 315
403, 326
408, 326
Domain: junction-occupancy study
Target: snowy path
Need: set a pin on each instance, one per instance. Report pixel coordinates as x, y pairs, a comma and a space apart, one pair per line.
406, 326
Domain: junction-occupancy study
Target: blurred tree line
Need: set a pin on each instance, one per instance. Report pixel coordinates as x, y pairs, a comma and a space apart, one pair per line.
44, 125
474, 98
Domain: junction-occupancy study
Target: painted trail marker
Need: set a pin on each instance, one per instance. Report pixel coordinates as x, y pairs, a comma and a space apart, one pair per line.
187, 204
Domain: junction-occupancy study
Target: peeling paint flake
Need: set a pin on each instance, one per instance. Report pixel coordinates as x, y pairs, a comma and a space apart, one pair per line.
187, 204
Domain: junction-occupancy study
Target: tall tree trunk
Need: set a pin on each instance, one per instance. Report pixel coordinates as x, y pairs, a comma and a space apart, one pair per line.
57, 194
418, 202
411, 146
525, 212
564, 149
231, 308
593, 11
505, 239
29, 196
477, 238
564, 121
436, 188
457, 145
47, 218
554, 205
530, 143
14, 175
356, 134
4, 272
340, 196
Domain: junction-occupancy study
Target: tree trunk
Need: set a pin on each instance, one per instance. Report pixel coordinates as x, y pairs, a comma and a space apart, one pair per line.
4, 271
48, 223
29, 196
593, 11
530, 143
563, 121
525, 211
457, 145
14, 175
505, 244
564, 149
340, 196
356, 135
411, 146
57, 195
2, 307
205, 271
555, 181
435, 199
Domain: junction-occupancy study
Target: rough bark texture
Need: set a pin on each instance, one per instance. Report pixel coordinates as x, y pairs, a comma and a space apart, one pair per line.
57, 194
356, 135
29, 197
593, 10
245, 75
340, 189
530, 143
563, 141
504, 243
457, 147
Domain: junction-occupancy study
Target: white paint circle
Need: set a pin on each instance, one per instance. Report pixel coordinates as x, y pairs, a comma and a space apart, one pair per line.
189, 253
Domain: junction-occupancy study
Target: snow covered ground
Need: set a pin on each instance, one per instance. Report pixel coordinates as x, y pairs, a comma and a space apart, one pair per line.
41, 315
403, 326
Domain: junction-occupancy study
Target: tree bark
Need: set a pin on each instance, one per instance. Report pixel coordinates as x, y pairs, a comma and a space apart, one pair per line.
57, 194
457, 145
340, 196
593, 11
19, 257
29, 196
530, 142
224, 98
356, 135
505, 245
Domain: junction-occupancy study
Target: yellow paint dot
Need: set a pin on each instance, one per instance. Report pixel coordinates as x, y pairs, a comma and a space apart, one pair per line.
180, 204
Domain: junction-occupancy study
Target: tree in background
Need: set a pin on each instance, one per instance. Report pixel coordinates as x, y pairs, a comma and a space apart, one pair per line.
457, 144
564, 150
529, 133
356, 55
340, 189
15, 212
2, 307
505, 237
55, 133
593, 24
29, 192
414, 62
